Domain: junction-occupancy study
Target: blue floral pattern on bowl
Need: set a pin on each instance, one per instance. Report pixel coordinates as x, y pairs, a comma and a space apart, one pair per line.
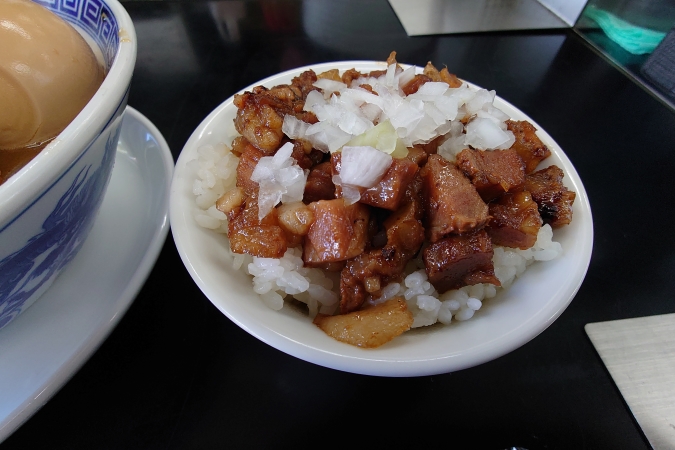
52, 228
22, 273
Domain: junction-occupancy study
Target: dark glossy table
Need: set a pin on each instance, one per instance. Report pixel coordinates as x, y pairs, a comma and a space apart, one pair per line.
176, 373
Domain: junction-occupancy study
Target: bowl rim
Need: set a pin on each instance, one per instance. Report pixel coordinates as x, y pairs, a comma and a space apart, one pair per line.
25, 187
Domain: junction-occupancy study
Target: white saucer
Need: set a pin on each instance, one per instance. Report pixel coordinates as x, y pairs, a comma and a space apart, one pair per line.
43, 347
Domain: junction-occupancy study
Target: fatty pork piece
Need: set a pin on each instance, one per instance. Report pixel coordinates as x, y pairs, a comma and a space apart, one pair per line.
417, 155
458, 261
295, 219
451, 203
389, 191
349, 75
352, 74
319, 184
370, 327
339, 232
527, 144
413, 85
248, 159
432, 72
492, 172
430, 147
553, 198
303, 153
247, 234
260, 112
373, 269
514, 220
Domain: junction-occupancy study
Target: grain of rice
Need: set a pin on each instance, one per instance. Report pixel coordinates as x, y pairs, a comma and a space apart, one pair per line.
213, 212
474, 303
464, 314
206, 221
273, 300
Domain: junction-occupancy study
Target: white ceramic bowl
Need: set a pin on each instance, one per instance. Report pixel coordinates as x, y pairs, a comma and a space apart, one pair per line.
504, 323
48, 208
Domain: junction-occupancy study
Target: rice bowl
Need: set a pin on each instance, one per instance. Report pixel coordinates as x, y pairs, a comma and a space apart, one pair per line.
505, 322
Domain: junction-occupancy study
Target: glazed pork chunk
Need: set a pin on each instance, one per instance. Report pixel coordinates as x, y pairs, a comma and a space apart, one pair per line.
413, 85
514, 220
528, 145
417, 155
304, 155
451, 203
247, 161
457, 261
554, 199
433, 73
248, 234
492, 172
339, 232
260, 112
372, 270
319, 184
390, 190
258, 119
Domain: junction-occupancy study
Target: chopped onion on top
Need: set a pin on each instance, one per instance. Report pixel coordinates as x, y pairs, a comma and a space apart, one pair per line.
294, 128
347, 112
363, 166
383, 137
329, 86
485, 134
280, 179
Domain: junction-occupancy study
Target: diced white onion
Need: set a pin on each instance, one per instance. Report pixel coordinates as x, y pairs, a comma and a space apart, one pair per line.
330, 85
293, 127
280, 179
485, 134
314, 98
363, 166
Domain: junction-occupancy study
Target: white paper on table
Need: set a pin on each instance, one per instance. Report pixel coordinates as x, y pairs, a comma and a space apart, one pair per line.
640, 356
425, 17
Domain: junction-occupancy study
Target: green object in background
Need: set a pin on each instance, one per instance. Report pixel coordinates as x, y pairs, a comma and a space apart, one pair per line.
632, 38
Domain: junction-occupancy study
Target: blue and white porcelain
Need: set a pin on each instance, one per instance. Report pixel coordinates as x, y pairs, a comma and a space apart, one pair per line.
48, 208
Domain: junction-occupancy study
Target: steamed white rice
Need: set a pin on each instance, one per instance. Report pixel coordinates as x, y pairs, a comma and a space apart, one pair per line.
434, 109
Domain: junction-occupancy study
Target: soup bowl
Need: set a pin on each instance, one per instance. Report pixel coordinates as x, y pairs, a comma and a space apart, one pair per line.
49, 206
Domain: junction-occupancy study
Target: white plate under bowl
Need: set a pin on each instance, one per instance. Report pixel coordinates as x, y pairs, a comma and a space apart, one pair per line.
43, 347
503, 324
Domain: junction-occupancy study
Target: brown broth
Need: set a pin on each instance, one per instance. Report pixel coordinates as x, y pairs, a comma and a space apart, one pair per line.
11, 161
43, 90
